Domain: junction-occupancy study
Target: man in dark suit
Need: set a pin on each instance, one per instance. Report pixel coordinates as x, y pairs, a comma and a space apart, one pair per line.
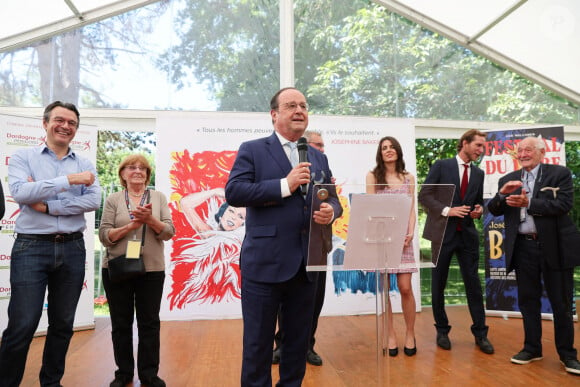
460, 235
275, 248
314, 139
539, 244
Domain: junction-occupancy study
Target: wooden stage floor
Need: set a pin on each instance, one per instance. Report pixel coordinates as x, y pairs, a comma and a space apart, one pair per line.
208, 353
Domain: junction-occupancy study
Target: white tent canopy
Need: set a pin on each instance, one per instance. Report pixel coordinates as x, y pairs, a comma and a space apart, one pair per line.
538, 39
535, 38
28, 21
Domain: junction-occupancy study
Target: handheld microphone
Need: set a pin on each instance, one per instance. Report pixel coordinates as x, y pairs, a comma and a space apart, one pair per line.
302, 147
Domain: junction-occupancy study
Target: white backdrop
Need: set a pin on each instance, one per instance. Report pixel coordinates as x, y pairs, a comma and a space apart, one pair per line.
195, 153
20, 132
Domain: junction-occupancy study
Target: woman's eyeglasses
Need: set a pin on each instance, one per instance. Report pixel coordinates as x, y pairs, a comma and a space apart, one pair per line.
135, 167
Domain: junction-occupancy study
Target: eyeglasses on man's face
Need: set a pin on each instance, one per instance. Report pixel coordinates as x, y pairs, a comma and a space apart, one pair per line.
318, 144
136, 167
292, 106
61, 122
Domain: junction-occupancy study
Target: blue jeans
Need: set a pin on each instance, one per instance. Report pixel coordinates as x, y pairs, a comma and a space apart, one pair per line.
34, 266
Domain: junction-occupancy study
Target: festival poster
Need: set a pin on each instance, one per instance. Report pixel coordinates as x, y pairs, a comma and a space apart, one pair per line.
498, 160
195, 154
19, 132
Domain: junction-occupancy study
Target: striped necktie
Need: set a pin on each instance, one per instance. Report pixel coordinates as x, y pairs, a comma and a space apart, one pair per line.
293, 154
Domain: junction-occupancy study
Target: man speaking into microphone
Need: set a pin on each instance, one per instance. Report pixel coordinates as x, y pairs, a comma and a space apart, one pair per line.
267, 178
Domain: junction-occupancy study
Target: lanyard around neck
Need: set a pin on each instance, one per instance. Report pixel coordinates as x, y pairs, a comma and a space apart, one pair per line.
128, 203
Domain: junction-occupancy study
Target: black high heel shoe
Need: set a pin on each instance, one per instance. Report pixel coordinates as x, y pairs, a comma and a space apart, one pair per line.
411, 351
393, 351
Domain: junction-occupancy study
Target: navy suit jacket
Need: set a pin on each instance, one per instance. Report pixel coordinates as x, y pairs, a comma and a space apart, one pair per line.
277, 229
556, 231
433, 199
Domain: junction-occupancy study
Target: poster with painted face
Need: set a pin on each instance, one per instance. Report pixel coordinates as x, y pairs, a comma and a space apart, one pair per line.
195, 154
209, 233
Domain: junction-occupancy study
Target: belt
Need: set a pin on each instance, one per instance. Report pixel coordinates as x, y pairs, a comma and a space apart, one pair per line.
529, 237
56, 238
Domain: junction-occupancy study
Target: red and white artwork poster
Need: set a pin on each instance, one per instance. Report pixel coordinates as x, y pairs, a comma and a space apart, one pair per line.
195, 153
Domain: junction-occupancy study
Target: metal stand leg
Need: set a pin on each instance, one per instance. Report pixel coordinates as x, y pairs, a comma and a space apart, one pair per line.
382, 298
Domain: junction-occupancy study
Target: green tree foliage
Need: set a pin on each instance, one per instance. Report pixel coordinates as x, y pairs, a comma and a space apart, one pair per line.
388, 66
429, 150
573, 162
352, 58
114, 146
230, 46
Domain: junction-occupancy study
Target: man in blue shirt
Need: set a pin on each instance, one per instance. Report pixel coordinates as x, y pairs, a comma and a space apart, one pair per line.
53, 187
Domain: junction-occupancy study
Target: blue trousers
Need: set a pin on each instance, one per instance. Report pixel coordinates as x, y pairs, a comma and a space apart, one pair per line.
36, 266
261, 303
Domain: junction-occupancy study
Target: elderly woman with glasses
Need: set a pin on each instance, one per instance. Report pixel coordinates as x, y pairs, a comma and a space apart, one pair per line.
124, 216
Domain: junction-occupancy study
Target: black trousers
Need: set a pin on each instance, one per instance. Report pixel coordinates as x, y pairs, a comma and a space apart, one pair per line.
140, 297
468, 258
531, 269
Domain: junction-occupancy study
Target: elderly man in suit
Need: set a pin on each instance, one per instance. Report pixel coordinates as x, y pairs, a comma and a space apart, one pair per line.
538, 244
460, 236
266, 179
315, 140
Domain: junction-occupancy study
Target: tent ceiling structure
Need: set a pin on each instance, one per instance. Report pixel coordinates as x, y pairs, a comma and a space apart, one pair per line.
28, 21
535, 38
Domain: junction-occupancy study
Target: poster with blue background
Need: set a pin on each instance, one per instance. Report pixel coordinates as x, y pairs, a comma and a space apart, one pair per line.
499, 159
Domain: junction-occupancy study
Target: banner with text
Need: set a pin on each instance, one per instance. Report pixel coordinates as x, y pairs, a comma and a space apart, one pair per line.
195, 154
17, 133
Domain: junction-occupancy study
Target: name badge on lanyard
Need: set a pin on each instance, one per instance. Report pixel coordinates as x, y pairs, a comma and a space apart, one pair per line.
134, 246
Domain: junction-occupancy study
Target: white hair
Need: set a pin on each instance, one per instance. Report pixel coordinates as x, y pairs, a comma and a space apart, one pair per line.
538, 142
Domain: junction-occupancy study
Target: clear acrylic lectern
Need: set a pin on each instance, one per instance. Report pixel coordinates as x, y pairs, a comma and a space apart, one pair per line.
370, 238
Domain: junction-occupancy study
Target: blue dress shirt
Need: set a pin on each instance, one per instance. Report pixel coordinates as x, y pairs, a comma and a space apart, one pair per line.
37, 175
